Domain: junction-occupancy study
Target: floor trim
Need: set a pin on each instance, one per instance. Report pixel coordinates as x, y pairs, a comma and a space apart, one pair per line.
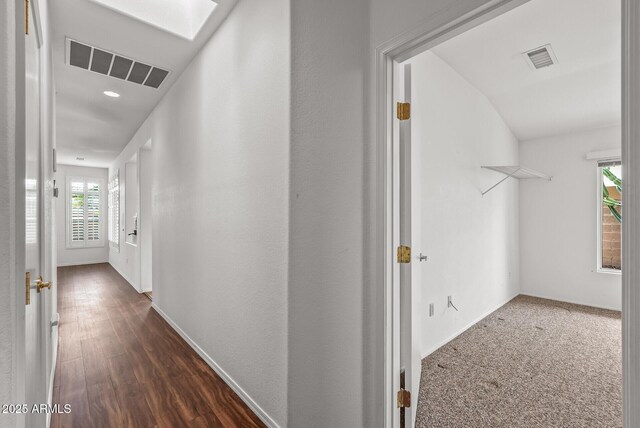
575, 302
125, 277
83, 263
228, 379
467, 327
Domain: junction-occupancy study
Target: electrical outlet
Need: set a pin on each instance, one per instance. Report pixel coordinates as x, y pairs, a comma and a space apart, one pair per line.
430, 309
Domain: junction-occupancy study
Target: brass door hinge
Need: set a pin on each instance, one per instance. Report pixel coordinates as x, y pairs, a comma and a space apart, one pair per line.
404, 398
26, 16
404, 111
404, 254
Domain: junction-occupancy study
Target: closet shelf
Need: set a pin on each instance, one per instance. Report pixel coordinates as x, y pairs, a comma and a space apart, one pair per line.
515, 171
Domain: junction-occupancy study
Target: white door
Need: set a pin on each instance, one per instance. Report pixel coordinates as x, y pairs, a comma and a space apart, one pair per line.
402, 232
36, 322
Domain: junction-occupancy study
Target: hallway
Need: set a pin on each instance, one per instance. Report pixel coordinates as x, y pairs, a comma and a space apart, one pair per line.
121, 365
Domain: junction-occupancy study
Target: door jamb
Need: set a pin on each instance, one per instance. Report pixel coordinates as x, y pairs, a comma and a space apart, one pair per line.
430, 34
630, 210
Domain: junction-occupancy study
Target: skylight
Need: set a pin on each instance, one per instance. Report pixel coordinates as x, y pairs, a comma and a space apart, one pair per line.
184, 18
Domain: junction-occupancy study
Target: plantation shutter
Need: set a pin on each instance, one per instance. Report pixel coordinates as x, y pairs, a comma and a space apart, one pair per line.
77, 211
93, 211
114, 212
84, 212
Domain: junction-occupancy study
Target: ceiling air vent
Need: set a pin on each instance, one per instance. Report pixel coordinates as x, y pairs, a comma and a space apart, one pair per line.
114, 65
540, 57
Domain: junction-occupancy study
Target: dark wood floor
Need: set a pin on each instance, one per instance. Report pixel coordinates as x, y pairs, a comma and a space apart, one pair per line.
121, 365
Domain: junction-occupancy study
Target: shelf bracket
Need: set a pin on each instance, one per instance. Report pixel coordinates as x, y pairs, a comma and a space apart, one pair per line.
500, 182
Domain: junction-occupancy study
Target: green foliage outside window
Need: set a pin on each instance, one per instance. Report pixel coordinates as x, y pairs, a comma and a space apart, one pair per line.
613, 205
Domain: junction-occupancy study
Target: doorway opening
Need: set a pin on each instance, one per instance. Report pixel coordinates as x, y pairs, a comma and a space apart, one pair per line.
494, 138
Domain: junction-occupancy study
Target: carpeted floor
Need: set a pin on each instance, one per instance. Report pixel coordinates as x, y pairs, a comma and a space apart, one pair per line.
531, 363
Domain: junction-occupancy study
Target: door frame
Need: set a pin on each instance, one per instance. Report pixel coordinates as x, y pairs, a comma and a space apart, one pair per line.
388, 56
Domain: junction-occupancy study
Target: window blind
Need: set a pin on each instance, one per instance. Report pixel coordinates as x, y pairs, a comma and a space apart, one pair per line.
93, 211
31, 211
114, 211
77, 211
84, 212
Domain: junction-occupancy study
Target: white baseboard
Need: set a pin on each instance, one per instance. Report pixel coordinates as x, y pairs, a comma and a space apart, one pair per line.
574, 301
82, 263
52, 376
125, 277
467, 327
224, 375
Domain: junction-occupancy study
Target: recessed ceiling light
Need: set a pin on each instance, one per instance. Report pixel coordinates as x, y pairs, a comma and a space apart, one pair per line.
111, 94
79, 158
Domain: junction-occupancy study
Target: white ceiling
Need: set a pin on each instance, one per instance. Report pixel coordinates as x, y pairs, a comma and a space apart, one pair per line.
90, 124
581, 92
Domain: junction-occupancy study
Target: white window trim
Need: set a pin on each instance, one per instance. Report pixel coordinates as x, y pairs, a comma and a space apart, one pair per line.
84, 244
114, 217
599, 267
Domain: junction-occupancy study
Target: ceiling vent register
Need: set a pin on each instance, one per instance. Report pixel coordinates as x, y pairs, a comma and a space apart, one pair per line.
114, 65
540, 57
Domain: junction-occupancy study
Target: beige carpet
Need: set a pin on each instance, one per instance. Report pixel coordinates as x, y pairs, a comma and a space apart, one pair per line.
531, 363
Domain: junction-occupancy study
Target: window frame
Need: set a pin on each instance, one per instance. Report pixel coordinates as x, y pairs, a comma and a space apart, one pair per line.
113, 228
601, 163
86, 243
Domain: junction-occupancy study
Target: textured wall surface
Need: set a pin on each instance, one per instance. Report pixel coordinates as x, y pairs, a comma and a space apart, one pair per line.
329, 78
221, 153
471, 240
558, 252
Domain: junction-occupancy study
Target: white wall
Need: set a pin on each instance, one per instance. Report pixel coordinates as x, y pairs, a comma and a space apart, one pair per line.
329, 79
78, 256
558, 221
471, 240
220, 201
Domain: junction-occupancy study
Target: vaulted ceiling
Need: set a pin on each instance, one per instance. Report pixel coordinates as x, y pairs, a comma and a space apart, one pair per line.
580, 92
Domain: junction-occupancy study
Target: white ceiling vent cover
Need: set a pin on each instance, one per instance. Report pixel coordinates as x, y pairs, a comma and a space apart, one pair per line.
540, 57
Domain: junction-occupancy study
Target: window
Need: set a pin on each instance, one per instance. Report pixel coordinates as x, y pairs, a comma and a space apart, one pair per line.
84, 212
114, 212
609, 216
